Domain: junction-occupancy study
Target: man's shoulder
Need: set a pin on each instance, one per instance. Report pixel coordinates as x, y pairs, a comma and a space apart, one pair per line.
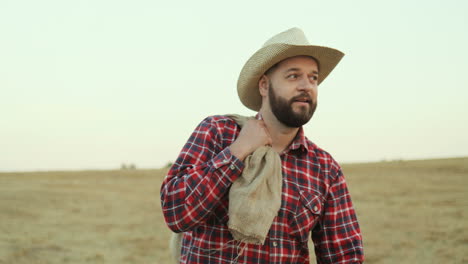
219, 120
324, 158
221, 125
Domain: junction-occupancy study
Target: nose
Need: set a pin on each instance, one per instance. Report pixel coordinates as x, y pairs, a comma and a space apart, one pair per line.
306, 84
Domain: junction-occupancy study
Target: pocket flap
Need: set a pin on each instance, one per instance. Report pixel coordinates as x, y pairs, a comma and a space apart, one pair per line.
311, 201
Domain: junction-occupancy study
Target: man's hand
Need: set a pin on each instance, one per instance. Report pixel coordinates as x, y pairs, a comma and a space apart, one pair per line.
253, 135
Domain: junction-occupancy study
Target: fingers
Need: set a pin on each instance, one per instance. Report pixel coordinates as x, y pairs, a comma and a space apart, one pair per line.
253, 135
269, 141
257, 132
265, 129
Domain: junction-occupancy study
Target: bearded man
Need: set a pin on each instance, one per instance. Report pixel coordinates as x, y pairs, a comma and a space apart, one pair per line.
280, 83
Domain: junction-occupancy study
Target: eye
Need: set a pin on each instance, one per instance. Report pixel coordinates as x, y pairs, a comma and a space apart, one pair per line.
291, 76
314, 77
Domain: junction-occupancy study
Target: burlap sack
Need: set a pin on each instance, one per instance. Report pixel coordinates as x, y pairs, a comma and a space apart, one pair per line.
255, 197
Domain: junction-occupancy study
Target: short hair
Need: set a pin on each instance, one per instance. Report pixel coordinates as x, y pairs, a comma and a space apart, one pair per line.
271, 69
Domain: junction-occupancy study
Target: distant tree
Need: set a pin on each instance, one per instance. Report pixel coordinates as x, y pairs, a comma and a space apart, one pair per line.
123, 166
169, 164
132, 166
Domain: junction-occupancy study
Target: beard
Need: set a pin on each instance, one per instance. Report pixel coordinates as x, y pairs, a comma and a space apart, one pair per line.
283, 109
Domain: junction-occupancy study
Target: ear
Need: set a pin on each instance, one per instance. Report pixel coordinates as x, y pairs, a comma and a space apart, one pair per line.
263, 85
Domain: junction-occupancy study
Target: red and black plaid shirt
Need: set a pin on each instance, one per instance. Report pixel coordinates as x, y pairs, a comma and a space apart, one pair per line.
315, 199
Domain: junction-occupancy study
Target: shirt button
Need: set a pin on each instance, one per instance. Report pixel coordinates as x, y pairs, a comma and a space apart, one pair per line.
225, 160
315, 208
275, 244
232, 167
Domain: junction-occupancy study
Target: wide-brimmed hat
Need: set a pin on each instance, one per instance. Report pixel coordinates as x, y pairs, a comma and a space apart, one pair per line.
286, 44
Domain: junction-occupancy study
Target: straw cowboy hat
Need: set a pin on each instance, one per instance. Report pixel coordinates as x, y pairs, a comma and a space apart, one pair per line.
286, 44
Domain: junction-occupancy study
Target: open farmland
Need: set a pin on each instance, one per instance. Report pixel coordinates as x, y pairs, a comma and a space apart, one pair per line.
410, 212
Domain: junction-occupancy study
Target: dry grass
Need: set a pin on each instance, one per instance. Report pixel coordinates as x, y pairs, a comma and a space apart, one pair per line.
410, 212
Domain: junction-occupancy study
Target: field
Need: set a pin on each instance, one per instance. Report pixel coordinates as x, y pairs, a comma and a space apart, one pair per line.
409, 211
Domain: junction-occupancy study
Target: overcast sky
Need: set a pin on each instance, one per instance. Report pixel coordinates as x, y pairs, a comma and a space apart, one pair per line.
93, 84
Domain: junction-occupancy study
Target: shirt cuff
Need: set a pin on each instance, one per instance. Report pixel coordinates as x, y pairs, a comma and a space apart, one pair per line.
229, 164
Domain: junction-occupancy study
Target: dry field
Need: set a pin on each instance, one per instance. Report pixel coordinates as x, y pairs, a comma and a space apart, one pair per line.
410, 212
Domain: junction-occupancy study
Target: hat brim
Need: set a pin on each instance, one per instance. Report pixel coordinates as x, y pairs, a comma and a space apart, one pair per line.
266, 57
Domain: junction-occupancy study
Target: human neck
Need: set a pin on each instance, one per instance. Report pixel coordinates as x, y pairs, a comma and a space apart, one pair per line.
281, 135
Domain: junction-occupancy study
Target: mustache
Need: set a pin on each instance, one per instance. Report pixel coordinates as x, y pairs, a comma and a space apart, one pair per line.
302, 96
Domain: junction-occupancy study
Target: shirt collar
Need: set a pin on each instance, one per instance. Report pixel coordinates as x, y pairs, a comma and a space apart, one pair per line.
300, 142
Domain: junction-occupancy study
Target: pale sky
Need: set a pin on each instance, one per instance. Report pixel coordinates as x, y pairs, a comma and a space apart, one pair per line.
93, 84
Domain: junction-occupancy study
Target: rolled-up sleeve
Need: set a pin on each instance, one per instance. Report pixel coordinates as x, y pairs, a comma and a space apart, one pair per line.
199, 179
338, 238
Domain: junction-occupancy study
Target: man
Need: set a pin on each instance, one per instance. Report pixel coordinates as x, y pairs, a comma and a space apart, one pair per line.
280, 82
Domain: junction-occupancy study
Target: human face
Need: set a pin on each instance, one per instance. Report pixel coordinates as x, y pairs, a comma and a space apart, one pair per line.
292, 90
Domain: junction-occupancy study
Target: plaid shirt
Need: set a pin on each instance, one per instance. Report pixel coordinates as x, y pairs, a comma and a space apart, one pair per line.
315, 199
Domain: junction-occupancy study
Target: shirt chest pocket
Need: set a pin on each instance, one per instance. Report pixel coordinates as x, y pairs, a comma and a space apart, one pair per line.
307, 215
